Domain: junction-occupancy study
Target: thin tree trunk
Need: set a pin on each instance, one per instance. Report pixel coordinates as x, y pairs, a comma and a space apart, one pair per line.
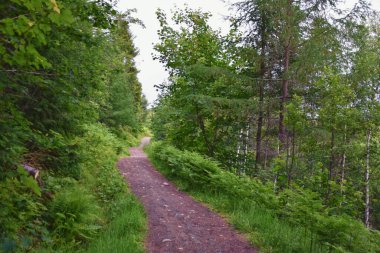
285, 84
203, 129
331, 163
367, 181
259, 127
342, 172
246, 145
238, 145
266, 154
287, 157
285, 94
261, 100
293, 157
332, 155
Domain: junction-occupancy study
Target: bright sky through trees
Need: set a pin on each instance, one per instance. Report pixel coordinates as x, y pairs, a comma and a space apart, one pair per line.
152, 72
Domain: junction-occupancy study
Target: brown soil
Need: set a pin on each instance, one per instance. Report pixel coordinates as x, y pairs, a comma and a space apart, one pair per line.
177, 223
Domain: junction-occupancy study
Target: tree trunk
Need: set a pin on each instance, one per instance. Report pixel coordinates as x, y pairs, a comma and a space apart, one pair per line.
259, 127
293, 157
331, 163
261, 99
367, 181
332, 155
343, 165
203, 129
285, 94
285, 83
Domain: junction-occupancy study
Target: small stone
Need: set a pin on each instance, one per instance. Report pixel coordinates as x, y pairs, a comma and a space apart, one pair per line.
166, 184
180, 248
166, 240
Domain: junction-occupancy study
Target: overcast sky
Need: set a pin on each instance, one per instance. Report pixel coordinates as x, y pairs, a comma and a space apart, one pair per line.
152, 72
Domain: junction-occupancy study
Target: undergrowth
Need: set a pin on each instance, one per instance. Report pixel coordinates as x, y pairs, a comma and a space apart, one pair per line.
89, 209
293, 220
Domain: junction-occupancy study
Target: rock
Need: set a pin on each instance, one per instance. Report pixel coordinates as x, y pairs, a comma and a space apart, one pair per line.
166, 240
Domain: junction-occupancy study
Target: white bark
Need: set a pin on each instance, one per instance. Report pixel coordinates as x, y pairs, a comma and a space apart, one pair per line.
367, 180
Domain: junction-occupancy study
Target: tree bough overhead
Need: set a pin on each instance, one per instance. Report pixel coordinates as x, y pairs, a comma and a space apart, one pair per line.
289, 96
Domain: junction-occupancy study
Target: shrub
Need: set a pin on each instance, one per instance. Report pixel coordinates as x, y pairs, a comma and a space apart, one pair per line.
21, 222
74, 215
99, 153
202, 172
97, 147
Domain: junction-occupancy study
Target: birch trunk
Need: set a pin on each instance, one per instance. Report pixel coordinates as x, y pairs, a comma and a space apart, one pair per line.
367, 181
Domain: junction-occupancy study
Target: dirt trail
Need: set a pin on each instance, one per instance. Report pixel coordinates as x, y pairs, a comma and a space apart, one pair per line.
177, 223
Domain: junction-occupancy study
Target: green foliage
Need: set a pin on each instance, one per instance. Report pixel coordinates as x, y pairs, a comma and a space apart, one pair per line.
97, 146
126, 231
65, 66
21, 220
14, 129
296, 220
288, 96
74, 214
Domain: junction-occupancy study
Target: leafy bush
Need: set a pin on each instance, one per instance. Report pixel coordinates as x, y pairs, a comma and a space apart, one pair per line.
199, 171
75, 214
21, 222
55, 152
97, 147
14, 131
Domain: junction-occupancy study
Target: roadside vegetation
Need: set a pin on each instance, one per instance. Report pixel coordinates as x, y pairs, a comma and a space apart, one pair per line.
291, 221
70, 106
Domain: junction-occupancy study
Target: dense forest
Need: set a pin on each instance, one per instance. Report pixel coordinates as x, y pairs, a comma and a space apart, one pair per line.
70, 105
289, 98
274, 123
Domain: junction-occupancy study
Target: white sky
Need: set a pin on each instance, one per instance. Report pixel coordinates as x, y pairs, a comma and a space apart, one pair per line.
152, 72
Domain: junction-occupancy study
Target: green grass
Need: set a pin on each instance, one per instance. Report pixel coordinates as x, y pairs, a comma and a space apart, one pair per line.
262, 227
126, 232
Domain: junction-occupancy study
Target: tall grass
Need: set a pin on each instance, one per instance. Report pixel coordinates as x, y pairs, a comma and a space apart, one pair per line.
261, 225
126, 231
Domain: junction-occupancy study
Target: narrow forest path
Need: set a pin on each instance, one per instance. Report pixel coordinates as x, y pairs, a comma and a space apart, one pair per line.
177, 223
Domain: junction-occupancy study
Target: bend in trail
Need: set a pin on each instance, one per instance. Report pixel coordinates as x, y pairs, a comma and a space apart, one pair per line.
177, 223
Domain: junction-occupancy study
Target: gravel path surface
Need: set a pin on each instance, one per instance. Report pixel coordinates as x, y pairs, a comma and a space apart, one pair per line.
177, 223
